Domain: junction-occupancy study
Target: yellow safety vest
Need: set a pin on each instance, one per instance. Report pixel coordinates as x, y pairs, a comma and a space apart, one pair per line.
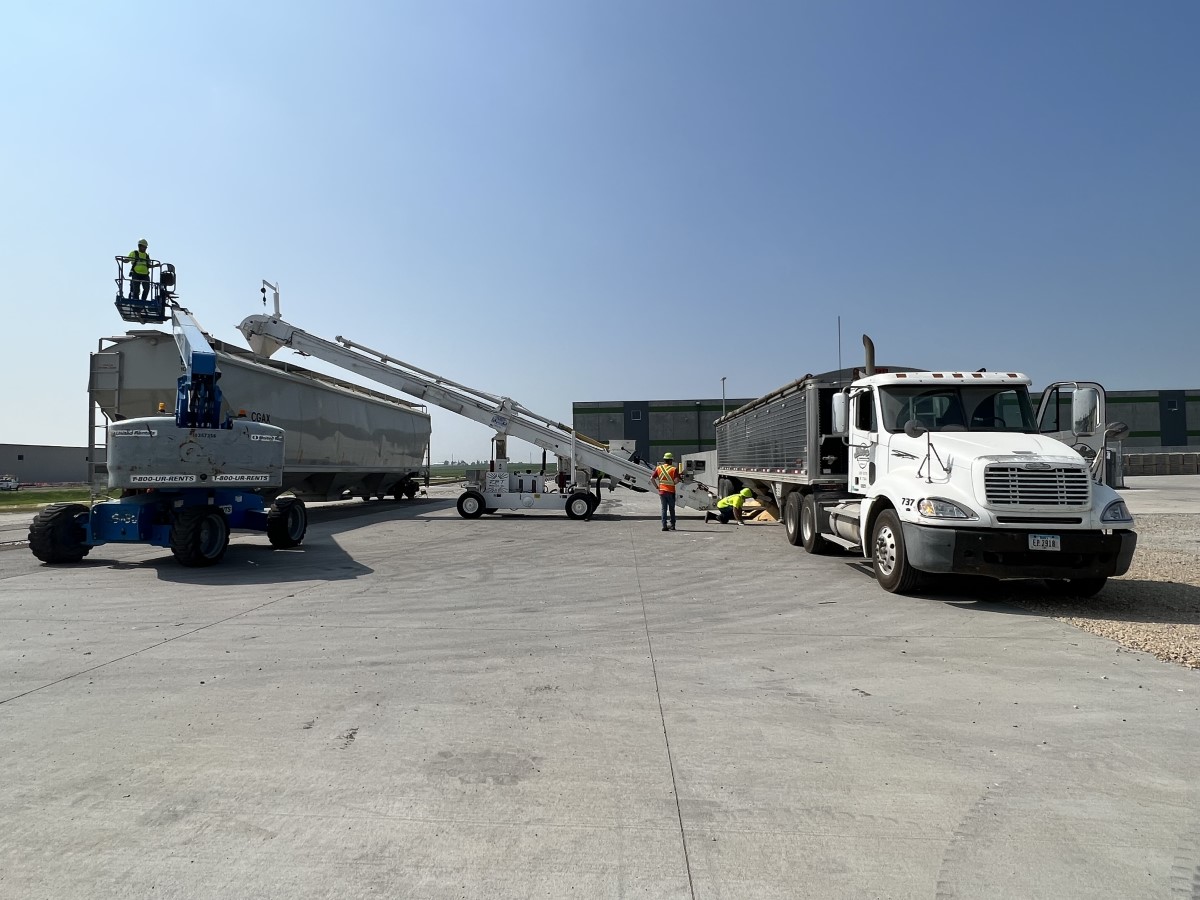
141, 261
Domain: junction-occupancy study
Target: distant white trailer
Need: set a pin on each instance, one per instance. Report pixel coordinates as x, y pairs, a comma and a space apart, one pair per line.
339, 437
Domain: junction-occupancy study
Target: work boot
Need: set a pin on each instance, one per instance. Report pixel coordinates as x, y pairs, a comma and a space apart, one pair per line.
672, 527
665, 528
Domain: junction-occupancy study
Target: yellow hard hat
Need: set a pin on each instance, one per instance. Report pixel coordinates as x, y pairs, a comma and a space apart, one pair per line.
668, 455
143, 243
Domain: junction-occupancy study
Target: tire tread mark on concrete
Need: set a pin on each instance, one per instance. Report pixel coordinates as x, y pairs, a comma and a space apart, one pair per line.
662, 718
970, 828
1185, 872
177, 637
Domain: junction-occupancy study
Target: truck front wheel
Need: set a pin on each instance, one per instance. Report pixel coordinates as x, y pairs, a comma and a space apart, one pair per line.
889, 558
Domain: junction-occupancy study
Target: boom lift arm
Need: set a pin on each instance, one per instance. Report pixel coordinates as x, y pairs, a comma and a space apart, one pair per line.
266, 334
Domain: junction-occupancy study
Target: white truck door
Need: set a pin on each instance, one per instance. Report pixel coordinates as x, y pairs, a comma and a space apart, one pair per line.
1056, 413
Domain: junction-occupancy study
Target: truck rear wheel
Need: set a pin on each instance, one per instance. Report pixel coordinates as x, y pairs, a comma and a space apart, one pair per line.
287, 522
410, 489
55, 536
810, 532
1076, 587
199, 536
889, 558
471, 505
791, 518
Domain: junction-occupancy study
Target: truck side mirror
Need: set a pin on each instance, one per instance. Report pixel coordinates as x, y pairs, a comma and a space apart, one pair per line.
1085, 411
839, 413
914, 429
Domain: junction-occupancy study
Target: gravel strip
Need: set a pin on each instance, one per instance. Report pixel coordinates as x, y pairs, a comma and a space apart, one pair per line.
1155, 606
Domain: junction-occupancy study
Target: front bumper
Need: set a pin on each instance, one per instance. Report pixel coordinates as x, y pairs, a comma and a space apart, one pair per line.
1006, 554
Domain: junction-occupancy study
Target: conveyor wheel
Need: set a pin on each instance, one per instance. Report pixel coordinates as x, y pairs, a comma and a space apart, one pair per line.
471, 505
56, 535
579, 505
199, 536
287, 521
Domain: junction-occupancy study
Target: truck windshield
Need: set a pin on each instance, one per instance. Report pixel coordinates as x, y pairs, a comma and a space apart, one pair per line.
954, 407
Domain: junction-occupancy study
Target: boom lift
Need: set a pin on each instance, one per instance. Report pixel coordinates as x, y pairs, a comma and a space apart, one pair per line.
580, 458
185, 480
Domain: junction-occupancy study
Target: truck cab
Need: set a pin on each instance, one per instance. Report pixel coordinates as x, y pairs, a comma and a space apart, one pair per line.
949, 473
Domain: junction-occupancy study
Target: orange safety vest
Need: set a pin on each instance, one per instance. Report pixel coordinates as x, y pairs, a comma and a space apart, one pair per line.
667, 477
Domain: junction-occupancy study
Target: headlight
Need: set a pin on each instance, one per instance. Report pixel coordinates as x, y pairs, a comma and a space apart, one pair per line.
1116, 511
936, 508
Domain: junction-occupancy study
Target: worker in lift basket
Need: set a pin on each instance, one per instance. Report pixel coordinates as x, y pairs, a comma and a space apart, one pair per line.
139, 271
666, 476
730, 507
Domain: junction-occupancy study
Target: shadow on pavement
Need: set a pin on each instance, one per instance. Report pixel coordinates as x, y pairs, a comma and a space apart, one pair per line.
251, 559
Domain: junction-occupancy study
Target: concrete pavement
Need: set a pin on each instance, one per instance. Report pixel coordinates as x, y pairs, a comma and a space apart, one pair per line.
417, 705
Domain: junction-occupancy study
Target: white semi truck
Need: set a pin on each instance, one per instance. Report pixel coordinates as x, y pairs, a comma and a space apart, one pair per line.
936, 472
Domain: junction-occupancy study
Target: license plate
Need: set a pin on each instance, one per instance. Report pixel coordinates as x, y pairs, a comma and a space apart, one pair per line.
1044, 542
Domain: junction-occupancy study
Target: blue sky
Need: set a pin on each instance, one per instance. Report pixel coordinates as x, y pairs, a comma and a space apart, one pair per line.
565, 201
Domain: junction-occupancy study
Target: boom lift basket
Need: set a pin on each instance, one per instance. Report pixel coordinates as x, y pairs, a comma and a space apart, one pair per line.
160, 290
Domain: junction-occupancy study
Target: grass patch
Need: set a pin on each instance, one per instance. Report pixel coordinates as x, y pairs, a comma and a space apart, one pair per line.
33, 498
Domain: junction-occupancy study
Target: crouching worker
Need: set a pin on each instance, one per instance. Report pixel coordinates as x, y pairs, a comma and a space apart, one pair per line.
730, 507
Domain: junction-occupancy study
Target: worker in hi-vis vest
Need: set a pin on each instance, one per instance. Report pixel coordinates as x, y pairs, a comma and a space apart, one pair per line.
139, 271
730, 507
666, 476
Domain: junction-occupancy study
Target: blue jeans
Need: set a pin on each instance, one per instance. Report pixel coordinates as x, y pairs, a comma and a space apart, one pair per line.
668, 506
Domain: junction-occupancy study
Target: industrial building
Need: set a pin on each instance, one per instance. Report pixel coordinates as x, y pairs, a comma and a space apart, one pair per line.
37, 464
1157, 420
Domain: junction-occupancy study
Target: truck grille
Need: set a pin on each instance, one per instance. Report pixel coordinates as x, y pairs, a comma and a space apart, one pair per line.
1015, 485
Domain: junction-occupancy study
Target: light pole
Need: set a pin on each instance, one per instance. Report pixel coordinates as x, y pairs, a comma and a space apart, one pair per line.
722, 396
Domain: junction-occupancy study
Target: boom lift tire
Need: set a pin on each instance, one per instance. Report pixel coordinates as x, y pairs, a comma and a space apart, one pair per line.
579, 505
55, 535
810, 534
471, 505
791, 518
287, 522
199, 536
1076, 587
889, 557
